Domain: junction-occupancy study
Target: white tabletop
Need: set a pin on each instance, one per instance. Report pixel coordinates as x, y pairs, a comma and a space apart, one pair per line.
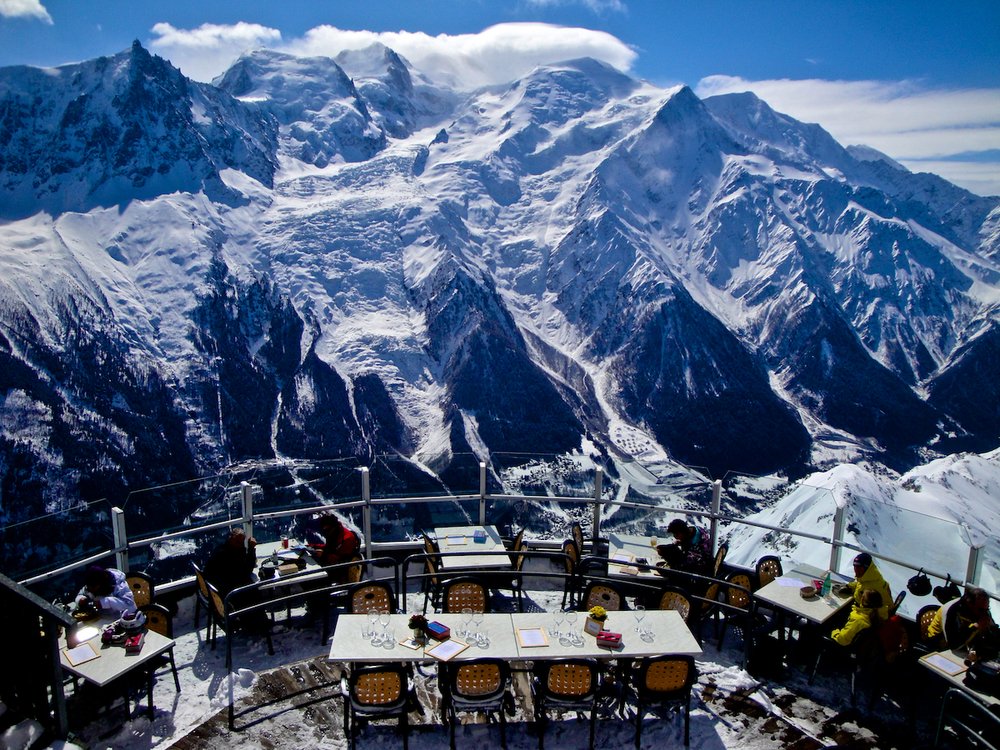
630, 548
784, 592
311, 573
950, 666
112, 662
670, 636
460, 539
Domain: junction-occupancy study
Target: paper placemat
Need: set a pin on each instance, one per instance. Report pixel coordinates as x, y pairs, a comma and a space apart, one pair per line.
946, 665
82, 653
532, 637
446, 650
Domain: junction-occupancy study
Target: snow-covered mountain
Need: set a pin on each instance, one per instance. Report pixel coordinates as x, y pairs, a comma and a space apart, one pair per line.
324, 257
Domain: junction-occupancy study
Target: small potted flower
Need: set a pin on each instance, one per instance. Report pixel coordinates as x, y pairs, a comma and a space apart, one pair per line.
596, 618
418, 626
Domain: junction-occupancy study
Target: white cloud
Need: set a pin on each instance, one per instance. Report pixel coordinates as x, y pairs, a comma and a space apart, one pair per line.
497, 54
24, 9
918, 127
208, 50
597, 6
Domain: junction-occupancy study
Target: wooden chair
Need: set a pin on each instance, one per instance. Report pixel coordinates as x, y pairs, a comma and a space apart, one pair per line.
159, 620
218, 620
676, 599
599, 593
142, 588
707, 608
371, 596
924, 643
664, 681
720, 558
355, 572
572, 553
768, 568
738, 597
576, 532
379, 691
432, 572
479, 685
464, 593
203, 600
565, 685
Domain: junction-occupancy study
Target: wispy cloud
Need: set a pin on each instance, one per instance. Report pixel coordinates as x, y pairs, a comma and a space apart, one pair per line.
938, 130
597, 6
207, 51
24, 9
497, 54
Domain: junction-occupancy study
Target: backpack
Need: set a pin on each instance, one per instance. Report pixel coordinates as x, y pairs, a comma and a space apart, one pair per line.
894, 638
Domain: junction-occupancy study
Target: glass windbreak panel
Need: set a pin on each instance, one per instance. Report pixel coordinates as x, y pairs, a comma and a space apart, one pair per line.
394, 476
785, 527
544, 475
33, 546
989, 577
396, 521
939, 545
172, 507
644, 497
294, 485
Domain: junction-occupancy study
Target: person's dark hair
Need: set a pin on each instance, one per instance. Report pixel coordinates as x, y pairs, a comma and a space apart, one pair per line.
330, 523
677, 526
863, 561
974, 594
871, 599
98, 580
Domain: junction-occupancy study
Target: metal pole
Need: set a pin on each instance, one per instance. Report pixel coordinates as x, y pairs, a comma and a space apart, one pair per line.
482, 493
839, 524
247, 490
595, 532
120, 536
974, 570
716, 512
366, 515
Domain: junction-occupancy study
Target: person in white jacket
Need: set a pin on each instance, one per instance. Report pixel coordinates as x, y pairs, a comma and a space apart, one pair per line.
106, 591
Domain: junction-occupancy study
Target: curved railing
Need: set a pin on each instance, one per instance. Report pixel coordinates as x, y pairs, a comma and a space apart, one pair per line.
392, 500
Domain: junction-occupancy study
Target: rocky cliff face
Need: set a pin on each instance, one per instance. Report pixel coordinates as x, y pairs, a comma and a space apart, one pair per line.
319, 258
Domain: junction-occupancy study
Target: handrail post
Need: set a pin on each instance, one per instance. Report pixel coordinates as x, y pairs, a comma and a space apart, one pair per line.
839, 524
366, 514
974, 570
120, 536
595, 533
482, 493
716, 512
246, 490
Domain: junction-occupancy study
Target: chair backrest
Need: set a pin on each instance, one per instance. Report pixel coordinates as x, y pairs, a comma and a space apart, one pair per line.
217, 602
142, 588
572, 553
432, 563
576, 531
480, 679
371, 596
676, 600
202, 582
570, 679
602, 594
711, 595
896, 602
768, 568
382, 687
158, 619
464, 593
720, 557
735, 596
924, 618
665, 677
355, 572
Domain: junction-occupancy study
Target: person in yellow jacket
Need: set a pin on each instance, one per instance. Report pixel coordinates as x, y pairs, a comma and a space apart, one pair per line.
861, 618
868, 576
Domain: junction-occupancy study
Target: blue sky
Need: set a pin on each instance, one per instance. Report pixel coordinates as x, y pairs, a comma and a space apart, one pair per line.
917, 80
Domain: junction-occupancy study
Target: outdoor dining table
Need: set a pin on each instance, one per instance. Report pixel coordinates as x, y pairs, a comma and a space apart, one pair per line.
510, 636
462, 539
310, 574
950, 666
784, 595
101, 664
626, 550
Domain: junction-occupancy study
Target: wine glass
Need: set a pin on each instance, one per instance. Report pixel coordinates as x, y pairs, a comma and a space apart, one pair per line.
558, 621
372, 621
477, 624
640, 615
575, 639
653, 541
466, 623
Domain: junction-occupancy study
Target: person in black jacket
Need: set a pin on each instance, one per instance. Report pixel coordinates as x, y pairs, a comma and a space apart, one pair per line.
232, 563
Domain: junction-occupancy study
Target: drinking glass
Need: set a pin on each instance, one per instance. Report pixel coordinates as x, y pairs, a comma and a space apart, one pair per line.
369, 633
557, 633
653, 541
477, 623
466, 624
575, 639
640, 615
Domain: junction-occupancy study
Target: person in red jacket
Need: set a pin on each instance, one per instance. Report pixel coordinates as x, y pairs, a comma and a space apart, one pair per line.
340, 544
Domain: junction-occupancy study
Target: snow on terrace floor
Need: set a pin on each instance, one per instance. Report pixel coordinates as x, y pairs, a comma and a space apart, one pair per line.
730, 709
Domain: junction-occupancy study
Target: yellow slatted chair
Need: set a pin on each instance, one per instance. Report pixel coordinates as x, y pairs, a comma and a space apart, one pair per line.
465, 593
666, 681
566, 685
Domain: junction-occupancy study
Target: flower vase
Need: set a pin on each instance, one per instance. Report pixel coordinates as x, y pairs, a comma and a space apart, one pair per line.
419, 636
592, 626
